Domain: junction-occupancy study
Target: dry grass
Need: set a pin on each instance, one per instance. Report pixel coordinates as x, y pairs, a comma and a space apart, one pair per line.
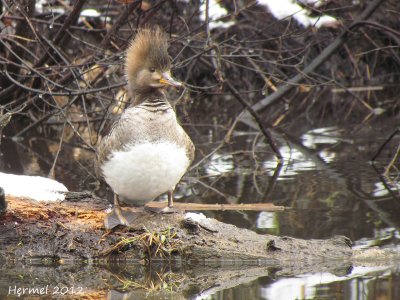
155, 244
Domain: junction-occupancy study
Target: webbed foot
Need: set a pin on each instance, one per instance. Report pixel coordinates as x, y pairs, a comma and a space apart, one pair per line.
119, 216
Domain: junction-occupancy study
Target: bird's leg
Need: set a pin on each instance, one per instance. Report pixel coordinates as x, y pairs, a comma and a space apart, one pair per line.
118, 211
116, 216
171, 197
169, 209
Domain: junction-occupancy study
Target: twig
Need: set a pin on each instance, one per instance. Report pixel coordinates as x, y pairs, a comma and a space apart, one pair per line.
118, 23
53, 166
150, 14
72, 18
69, 92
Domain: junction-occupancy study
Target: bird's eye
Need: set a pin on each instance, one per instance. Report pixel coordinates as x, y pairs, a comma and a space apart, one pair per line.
152, 70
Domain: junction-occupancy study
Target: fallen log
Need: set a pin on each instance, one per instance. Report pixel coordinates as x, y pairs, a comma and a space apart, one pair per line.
74, 230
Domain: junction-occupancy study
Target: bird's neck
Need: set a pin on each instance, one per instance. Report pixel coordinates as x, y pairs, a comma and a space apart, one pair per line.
150, 99
141, 95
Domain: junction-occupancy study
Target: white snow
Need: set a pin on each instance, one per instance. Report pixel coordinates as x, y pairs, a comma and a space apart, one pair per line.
282, 9
215, 12
315, 3
42, 6
90, 12
34, 187
195, 216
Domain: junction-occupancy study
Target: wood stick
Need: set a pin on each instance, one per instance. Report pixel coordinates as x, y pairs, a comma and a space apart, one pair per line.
222, 207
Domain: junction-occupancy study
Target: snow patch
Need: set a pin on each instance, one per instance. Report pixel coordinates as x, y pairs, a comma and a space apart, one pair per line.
215, 12
282, 9
195, 216
90, 12
34, 187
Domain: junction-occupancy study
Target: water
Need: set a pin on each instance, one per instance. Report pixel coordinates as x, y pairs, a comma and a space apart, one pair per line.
327, 183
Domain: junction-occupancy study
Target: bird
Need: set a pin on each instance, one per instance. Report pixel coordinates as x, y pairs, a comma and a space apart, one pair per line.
146, 152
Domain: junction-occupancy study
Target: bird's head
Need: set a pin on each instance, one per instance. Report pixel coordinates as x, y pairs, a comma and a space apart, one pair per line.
148, 65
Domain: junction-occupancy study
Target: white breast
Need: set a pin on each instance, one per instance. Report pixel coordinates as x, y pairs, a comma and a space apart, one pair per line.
141, 172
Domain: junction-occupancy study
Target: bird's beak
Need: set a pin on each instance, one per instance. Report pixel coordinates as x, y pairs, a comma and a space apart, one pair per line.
166, 79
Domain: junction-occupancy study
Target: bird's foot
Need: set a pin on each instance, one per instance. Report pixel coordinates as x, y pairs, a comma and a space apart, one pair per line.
118, 216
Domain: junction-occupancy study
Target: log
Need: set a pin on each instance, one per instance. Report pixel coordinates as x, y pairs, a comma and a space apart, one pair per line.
73, 229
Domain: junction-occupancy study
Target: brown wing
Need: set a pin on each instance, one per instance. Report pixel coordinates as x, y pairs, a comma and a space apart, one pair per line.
190, 149
107, 143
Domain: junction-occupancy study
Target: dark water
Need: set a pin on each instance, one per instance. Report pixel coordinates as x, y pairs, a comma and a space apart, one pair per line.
327, 182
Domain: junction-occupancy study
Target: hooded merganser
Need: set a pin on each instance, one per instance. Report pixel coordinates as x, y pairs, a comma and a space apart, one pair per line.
146, 152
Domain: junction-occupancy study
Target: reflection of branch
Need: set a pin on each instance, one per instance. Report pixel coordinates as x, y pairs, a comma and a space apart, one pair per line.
311, 155
391, 163
224, 141
257, 118
384, 182
387, 209
211, 188
273, 180
384, 144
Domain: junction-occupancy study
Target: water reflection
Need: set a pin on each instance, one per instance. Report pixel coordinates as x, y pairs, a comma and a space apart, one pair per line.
135, 281
358, 284
295, 163
220, 164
